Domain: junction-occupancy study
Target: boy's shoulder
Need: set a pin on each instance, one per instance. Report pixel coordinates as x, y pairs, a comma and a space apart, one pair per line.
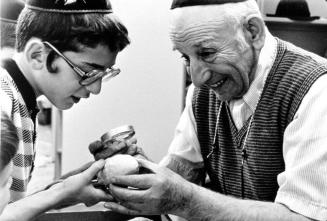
8, 91
7, 82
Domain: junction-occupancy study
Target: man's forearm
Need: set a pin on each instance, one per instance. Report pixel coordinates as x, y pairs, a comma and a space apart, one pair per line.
206, 205
32, 206
193, 172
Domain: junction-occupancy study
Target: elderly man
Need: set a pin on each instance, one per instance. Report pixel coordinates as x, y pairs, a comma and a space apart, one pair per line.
255, 124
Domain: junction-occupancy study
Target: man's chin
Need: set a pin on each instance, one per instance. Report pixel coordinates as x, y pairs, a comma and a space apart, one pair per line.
227, 97
222, 97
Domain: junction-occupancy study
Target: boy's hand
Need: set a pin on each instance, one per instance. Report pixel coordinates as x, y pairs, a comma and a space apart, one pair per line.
80, 189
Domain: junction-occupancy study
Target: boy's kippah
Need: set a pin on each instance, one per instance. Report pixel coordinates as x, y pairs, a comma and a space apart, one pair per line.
70, 6
10, 10
185, 3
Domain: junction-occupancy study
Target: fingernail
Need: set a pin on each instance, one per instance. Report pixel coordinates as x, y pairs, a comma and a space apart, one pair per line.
100, 161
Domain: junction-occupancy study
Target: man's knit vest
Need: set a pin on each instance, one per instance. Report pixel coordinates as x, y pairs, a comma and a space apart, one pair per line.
290, 78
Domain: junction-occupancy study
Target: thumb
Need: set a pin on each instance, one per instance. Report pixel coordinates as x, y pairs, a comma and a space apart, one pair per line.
148, 165
95, 146
131, 141
94, 169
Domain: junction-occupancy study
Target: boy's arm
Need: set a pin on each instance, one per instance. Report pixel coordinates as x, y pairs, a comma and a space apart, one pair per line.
33, 205
73, 190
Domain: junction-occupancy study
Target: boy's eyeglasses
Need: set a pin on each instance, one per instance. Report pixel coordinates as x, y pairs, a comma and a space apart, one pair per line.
90, 77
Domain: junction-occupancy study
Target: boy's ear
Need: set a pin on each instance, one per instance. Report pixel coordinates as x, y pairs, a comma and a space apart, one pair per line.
36, 54
254, 29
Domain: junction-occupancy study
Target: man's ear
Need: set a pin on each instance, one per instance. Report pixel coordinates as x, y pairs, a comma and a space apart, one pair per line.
35, 54
254, 29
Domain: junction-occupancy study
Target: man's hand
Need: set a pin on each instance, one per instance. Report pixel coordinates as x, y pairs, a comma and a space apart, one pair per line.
159, 192
102, 150
79, 188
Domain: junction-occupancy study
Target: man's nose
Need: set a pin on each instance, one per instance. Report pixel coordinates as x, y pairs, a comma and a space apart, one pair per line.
95, 87
199, 72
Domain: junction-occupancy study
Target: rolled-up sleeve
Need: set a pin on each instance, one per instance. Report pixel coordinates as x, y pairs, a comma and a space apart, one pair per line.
185, 143
303, 184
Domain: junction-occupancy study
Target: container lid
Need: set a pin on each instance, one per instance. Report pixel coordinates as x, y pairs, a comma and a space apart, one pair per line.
124, 131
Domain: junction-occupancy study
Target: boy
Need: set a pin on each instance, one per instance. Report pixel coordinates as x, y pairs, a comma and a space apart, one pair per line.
65, 49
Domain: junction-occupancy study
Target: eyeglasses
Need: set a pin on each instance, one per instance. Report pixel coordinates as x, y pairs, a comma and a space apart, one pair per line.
90, 77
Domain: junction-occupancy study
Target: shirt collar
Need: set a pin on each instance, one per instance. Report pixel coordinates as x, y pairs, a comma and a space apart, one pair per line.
23, 85
265, 62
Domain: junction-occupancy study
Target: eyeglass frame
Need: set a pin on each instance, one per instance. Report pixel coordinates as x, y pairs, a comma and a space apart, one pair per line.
86, 77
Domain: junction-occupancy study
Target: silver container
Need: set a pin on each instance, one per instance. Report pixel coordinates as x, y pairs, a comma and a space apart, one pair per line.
118, 134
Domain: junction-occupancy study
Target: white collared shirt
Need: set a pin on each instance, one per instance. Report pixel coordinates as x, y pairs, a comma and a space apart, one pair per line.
244, 107
303, 184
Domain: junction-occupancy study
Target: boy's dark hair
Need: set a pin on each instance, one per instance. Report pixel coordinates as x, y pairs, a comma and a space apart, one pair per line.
9, 140
71, 32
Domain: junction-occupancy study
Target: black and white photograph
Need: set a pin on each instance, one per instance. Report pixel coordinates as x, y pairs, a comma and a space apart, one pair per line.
163, 110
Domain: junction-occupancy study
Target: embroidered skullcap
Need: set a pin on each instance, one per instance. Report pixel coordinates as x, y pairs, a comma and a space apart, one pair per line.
10, 10
185, 3
70, 6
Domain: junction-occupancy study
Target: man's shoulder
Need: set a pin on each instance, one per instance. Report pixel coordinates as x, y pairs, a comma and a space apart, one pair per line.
309, 56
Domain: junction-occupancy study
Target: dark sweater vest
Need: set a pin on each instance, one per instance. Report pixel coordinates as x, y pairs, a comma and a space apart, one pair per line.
290, 78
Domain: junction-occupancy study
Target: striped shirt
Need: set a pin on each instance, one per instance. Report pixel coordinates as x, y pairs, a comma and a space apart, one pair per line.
302, 184
18, 100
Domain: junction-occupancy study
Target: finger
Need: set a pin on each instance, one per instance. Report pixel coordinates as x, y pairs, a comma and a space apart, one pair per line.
132, 150
139, 181
140, 154
136, 151
77, 171
142, 207
127, 194
93, 169
148, 165
102, 195
121, 209
95, 146
104, 154
131, 140
117, 146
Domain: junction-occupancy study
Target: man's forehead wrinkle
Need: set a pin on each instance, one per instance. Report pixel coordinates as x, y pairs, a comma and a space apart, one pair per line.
199, 38
185, 24
194, 42
182, 26
196, 34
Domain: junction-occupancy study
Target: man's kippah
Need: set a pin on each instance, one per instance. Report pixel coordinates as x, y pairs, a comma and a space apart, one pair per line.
10, 10
70, 6
185, 3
